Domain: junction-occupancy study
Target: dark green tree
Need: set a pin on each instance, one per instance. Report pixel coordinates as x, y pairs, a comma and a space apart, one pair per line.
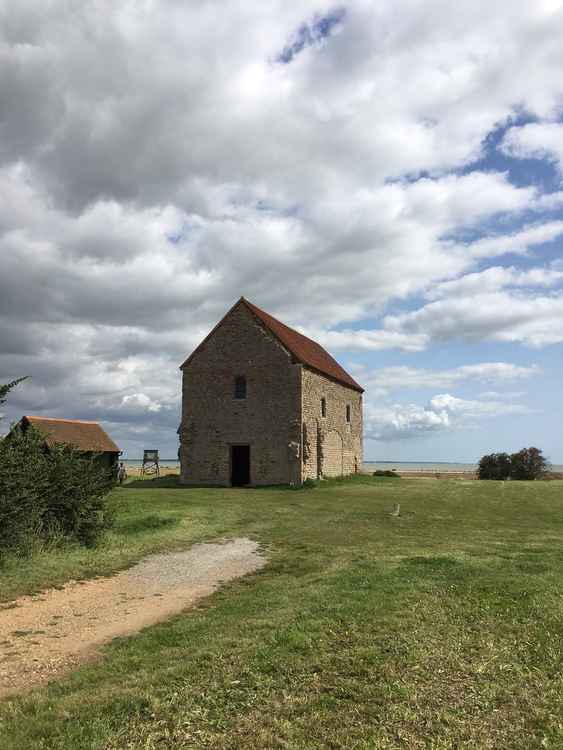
7, 387
24, 492
494, 466
529, 463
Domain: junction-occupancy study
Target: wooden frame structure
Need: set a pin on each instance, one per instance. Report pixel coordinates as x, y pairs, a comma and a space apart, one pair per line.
150, 463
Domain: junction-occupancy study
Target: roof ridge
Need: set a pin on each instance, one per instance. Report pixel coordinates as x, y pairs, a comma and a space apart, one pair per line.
315, 356
254, 307
306, 351
62, 419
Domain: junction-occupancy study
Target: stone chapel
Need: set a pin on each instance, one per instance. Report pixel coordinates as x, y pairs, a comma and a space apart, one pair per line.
263, 404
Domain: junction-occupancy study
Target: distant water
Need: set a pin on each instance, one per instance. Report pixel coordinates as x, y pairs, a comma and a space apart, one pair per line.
433, 466
430, 466
136, 463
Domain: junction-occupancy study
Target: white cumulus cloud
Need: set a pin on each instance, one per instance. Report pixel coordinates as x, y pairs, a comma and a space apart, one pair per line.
386, 379
536, 140
443, 412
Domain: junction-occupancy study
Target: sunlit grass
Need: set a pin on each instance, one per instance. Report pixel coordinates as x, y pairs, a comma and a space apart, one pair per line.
440, 628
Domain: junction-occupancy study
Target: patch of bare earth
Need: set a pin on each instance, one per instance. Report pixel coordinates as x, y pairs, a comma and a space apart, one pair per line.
45, 635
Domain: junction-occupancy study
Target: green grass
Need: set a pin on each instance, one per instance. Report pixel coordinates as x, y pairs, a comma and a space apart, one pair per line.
439, 629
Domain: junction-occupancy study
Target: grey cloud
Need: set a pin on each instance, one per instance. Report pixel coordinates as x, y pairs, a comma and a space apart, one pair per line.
155, 164
180, 95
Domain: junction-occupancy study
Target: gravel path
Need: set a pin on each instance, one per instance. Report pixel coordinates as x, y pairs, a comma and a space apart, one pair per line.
45, 635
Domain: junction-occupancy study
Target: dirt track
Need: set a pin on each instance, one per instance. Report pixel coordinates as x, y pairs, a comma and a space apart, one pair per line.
45, 635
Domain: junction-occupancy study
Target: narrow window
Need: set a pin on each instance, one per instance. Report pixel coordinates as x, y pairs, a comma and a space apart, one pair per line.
323, 407
348, 413
240, 387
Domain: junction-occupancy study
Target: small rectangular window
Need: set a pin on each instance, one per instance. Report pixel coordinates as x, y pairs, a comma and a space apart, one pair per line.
348, 413
240, 387
323, 407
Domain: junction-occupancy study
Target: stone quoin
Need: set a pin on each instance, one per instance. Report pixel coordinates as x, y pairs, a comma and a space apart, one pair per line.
262, 404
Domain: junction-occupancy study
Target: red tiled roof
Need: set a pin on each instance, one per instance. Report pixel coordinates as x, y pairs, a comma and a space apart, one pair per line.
303, 349
83, 435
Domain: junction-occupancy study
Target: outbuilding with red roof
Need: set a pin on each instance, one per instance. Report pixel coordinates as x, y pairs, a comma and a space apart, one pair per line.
87, 437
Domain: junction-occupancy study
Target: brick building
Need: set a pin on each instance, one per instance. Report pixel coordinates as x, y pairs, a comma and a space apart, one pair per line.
263, 404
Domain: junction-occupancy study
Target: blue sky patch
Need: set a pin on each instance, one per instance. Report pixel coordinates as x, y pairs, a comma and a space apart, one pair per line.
311, 34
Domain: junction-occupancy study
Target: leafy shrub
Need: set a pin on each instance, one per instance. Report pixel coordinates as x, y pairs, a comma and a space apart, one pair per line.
77, 507
529, 463
49, 495
386, 473
24, 489
494, 466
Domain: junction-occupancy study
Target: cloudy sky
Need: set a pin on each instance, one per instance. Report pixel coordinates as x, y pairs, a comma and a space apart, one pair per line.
385, 176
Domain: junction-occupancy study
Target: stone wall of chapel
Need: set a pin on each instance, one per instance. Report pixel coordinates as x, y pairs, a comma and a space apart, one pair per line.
332, 446
269, 419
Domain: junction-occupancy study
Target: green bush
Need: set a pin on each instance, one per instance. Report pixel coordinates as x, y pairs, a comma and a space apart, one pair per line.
494, 466
24, 489
48, 495
529, 463
386, 473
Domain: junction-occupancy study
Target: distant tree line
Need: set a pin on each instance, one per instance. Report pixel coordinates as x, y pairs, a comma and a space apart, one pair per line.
529, 463
48, 496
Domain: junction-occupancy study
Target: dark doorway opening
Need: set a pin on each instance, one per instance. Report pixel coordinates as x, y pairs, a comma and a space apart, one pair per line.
240, 465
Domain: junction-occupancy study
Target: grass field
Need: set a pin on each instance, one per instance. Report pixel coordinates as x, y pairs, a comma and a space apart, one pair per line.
439, 629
